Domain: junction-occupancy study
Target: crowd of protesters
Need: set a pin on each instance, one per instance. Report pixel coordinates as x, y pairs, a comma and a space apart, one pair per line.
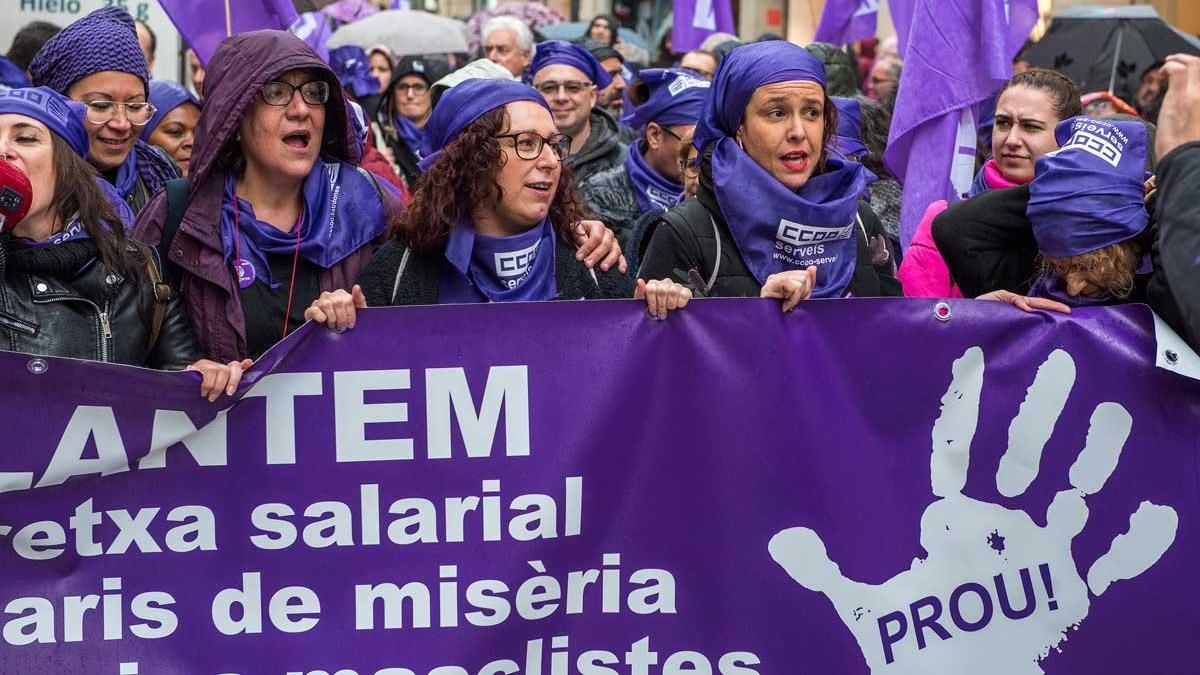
194, 227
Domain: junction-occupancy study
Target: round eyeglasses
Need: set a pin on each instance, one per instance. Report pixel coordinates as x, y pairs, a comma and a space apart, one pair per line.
529, 144
275, 92
102, 112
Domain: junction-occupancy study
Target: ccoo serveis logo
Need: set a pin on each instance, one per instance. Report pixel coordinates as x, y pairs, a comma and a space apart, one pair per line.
795, 234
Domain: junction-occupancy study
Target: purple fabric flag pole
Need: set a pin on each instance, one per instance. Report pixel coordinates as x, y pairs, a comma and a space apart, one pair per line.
845, 21
203, 29
697, 19
959, 54
315, 29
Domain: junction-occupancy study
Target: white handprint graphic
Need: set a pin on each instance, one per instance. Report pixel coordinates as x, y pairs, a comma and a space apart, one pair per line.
995, 592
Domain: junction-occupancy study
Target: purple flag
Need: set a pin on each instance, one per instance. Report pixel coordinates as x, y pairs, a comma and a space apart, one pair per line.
845, 21
314, 28
697, 19
203, 24
496, 490
958, 54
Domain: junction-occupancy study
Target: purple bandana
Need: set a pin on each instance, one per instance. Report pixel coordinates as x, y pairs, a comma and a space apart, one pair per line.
675, 98
342, 213
741, 72
464, 104
559, 52
1089, 193
353, 69
849, 133
412, 135
499, 269
62, 116
652, 191
166, 96
147, 163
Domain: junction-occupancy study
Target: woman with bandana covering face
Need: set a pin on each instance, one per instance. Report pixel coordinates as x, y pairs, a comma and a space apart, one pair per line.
72, 282
778, 214
1027, 110
1083, 234
493, 217
98, 61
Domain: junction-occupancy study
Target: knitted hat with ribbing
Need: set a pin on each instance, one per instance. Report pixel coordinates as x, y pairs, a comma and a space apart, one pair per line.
101, 41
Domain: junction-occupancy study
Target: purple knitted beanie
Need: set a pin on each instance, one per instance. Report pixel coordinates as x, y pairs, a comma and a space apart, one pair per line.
103, 40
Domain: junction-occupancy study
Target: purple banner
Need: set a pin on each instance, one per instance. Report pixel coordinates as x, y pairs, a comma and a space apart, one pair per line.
957, 55
204, 25
845, 21
697, 19
883, 486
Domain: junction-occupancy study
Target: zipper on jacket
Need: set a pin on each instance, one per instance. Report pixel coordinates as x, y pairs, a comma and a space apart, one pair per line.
105, 333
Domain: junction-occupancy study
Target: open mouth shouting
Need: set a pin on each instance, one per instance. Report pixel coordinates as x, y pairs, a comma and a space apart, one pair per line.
299, 140
797, 161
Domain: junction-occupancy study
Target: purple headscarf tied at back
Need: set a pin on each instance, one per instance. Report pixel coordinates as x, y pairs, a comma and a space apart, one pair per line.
353, 69
166, 96
62, 116
99, 42
676, 97
1089, 193
464, 104
849, 132
554, 52
741, 72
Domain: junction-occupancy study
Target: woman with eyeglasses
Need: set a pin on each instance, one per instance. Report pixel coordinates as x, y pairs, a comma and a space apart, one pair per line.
494, 216
405, 108
72, 282
778, 214
98, 62
275, 211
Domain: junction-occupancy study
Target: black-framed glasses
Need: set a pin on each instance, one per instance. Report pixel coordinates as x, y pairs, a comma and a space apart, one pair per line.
690, 167
670, 133
416, 88
314, 92
138, 113
572, 87
529, 144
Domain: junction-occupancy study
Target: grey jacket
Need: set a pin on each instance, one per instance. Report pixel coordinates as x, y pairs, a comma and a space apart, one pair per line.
610, 196
603, 149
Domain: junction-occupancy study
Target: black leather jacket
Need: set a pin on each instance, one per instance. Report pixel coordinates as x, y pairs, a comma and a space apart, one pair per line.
96, 315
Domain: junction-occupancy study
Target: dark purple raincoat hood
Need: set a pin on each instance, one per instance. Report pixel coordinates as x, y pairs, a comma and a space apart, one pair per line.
238, 70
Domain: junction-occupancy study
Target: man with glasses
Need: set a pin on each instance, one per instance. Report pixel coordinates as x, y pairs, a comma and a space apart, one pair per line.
650, 180
407, 106
570, 79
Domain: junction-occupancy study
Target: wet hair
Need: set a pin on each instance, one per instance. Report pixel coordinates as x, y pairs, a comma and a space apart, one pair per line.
76, 192
1062, 90
29, 40
876, 123
463, 178
1112, 267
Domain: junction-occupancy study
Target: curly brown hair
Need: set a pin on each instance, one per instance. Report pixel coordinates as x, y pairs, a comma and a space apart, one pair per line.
1112, 267
463, 178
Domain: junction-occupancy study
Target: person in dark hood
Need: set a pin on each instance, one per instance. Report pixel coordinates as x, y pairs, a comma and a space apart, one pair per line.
840, 69
98, 61
778, 214
276, 210
72, 282
406, 107
570, 79
603, 29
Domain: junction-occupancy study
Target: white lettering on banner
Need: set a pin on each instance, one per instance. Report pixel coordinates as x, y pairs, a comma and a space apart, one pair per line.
995, 589
47, 539
704, 16
36, 622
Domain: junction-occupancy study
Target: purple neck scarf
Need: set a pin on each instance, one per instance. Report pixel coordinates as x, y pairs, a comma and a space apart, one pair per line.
1089, 193
412, 135
652, 191
776, 229
499, 269
147, 163
342, 213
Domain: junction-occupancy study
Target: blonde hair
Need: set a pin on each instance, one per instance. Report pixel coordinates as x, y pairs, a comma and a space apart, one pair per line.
1112, 267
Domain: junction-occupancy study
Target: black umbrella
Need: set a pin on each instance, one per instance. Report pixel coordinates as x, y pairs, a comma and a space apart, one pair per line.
1108, 48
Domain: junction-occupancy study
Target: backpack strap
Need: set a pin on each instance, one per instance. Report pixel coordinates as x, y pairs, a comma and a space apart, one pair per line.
680, 217
177, 198
162, 293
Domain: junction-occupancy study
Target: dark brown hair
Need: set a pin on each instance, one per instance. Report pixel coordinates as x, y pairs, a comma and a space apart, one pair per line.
1060, 87
463, 178
76, 192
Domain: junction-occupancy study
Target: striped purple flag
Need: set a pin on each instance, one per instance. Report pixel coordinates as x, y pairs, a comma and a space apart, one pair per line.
959, 53
203, 24
845, 21
697, 19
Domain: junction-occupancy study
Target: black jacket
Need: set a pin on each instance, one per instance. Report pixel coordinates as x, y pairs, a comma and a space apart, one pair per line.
603, 149
673, 247
49, 308
1176, 296
397, 276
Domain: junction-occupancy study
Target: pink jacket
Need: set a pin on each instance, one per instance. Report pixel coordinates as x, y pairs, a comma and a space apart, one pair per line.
923, 273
